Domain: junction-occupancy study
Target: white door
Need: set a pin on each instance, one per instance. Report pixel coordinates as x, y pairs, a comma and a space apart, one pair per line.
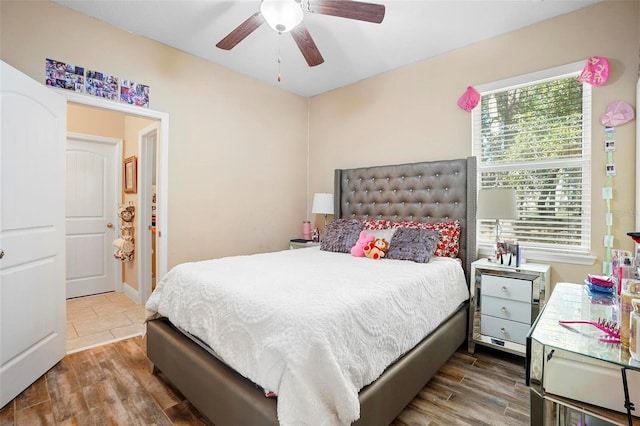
92, 203
32, 290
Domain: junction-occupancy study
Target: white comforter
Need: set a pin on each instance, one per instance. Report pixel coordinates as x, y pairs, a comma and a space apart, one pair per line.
313, 326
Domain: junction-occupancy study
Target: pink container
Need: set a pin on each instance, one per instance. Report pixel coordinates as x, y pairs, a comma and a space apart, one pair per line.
306, 230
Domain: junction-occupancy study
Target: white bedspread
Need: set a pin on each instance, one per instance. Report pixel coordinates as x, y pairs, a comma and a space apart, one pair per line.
313, 326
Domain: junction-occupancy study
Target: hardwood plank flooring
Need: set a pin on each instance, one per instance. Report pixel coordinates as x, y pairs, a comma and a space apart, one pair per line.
114, 385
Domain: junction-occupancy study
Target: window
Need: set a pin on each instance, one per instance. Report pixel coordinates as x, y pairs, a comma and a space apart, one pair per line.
532, 133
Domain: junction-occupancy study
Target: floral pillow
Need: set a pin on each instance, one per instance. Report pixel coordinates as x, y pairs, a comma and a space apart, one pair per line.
373, 224
449, 243
341, 235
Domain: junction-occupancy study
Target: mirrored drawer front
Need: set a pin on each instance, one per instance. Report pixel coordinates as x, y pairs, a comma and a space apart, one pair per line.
507, 309
507, 288
504, 329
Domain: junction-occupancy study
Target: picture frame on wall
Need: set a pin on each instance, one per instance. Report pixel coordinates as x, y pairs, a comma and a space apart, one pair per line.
134, 93
130, 178
64, 76
102, 85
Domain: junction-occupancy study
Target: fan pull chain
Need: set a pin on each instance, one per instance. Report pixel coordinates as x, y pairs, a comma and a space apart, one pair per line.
279, 78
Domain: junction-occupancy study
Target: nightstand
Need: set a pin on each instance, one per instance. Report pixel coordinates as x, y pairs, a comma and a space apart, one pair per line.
505, 301
297, 243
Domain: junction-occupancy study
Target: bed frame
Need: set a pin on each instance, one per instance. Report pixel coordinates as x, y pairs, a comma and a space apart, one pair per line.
433, 191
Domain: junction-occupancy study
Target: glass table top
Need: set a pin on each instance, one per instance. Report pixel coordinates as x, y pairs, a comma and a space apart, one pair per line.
573, 302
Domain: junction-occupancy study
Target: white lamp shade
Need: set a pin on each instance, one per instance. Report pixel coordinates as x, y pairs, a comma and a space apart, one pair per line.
497, 203
322, 203
281, 15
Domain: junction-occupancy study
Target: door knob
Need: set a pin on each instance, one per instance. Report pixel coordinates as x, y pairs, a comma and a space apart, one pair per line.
1, 253
109, 225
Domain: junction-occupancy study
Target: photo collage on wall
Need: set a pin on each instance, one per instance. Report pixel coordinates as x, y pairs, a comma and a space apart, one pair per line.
70, 77
64, 76
103, 86
134, 94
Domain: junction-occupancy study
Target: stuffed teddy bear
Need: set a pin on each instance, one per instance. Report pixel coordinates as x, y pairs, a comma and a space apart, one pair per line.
376, 249
363, 240
126, 213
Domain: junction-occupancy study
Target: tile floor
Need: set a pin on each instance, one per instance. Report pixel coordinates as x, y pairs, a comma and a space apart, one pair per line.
103, 318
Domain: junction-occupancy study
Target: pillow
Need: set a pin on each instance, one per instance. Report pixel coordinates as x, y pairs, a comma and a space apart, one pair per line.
387, 234
371, 224
449, 243
413, 244
341, 235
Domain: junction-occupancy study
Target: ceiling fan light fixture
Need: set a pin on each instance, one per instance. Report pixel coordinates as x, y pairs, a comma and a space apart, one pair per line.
281, 15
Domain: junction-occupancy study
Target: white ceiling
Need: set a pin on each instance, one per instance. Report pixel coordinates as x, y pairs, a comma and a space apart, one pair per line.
353, 50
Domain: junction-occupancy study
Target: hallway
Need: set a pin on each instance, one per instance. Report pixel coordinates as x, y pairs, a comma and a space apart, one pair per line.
100, 319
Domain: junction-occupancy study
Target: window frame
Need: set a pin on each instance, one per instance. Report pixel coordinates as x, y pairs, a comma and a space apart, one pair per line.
579, 256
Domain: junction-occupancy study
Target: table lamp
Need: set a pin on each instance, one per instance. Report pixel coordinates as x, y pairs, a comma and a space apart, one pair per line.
497, 203
322, 204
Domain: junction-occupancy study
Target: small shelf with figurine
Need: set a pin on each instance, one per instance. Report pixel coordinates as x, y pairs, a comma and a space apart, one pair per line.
125, 245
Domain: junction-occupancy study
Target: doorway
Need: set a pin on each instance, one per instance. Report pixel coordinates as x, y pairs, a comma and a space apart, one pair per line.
92, 196
142, 290
148, 147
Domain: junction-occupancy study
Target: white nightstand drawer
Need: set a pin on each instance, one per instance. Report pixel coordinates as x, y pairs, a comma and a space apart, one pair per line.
506, 288
504, 329
506, 309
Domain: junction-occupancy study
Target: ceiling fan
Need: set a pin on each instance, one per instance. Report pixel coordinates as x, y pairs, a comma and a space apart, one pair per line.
286, 16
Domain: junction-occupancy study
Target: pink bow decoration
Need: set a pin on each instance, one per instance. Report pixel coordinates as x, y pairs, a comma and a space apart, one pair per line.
596, 72
617, 113
469, 99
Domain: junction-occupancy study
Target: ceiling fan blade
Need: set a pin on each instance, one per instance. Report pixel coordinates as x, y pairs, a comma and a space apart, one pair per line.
362, 11
241, 32
306, 45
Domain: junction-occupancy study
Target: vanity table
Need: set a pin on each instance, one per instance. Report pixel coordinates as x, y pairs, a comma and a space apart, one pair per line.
571, 373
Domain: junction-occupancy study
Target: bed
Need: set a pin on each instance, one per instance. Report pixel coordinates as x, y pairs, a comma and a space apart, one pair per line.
437, 191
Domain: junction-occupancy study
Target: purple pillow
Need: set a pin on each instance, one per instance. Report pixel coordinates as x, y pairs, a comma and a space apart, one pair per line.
413, 244
341, 235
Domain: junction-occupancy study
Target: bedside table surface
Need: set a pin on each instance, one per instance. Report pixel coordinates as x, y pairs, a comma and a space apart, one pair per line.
570, 302
297, 243
534, 267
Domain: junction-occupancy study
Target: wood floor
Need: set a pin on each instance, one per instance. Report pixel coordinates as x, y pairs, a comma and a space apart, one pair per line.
114, 385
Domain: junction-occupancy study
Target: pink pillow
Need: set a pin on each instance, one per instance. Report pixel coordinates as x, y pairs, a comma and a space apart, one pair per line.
596, 72
618, 113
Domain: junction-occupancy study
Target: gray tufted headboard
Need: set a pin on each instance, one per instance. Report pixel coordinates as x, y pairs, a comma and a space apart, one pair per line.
434, 191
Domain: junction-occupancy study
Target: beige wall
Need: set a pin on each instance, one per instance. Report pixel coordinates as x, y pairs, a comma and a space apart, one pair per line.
411, 115
93, 121
237, 155
237, 147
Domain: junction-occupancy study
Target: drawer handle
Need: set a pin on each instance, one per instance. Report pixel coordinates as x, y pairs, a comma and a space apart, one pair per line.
504, 288
503, 331
504, 309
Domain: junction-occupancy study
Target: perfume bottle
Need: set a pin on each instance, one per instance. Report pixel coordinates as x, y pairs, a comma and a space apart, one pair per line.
634, 330
315, 235
630, 291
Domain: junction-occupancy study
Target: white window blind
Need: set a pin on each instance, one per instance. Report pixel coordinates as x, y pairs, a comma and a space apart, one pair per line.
532, 134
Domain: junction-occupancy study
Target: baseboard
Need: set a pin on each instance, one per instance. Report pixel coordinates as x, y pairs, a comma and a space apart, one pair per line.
131, 292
